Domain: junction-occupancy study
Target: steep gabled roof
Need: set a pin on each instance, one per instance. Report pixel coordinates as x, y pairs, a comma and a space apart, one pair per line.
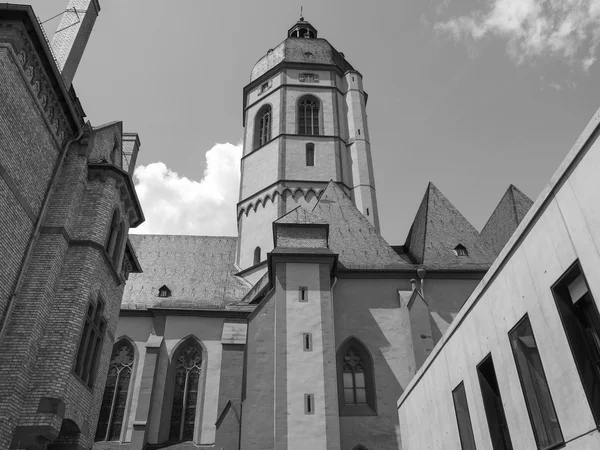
352, 236
438, 229
300, 215
506, 217
198, 270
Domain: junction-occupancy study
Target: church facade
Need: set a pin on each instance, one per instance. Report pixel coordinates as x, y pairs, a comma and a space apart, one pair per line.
302, 331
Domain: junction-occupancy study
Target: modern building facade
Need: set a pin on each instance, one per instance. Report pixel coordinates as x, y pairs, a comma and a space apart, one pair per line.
518, 367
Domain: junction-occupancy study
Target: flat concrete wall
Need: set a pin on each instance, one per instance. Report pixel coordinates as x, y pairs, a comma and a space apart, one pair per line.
562, 227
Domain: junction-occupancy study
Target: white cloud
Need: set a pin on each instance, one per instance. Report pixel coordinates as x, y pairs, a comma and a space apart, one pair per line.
567, 29
175, 204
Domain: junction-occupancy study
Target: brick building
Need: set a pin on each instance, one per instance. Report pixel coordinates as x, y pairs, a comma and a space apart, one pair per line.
302, 331
67, 201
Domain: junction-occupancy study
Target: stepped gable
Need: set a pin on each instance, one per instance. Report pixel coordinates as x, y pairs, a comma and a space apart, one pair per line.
352, 236
198, 270
436, 231
505, 219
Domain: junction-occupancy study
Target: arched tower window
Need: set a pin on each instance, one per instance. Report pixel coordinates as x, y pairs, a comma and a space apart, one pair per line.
356, 387
310, 154
113, 231
263, 124
256, 255
119, 244
308, 116
112, 411
188, 364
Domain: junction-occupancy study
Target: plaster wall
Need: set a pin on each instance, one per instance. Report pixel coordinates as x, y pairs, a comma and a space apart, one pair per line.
260, 169
255, 229
326, 163
309, 372
565, 228
370, 310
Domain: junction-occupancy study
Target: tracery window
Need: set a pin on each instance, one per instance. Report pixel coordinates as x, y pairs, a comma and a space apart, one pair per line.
112, 411
356, 388
90, 343
185, 396
262, 133
308, 116
354, 379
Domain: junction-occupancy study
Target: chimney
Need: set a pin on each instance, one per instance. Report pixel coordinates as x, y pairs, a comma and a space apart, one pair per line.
72, 36
131, 146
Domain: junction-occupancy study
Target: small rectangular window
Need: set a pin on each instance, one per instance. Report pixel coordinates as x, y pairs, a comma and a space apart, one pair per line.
309, 404
581, 321
492, 402
303, 294
265, 86
90, 343
359, 131
465, 428
310, 155
535, 387
307, 342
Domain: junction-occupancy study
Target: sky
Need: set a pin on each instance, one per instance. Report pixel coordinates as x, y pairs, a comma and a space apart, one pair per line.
472, 95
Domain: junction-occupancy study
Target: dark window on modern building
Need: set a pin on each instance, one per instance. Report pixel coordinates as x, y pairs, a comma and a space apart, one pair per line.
356, 387
112, 411
310, 154
188, 364
465, 428
90, 343
262, 131
308, 116
535, 387
581, 321
256, 255
492, 402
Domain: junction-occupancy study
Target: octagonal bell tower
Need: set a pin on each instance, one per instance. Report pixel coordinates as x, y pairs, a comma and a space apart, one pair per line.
305, 124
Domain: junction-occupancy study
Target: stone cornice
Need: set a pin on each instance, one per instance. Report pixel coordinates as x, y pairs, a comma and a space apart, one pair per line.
21, 33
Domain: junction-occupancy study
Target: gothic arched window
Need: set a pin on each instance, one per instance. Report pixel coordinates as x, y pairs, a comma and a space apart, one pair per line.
308, 116
188, 365
263, 123
356, 387
112, 411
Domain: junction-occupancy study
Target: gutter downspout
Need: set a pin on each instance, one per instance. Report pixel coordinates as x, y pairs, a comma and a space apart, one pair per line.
18, 283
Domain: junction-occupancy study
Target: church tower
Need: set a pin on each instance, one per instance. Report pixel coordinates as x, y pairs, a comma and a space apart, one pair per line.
305, 124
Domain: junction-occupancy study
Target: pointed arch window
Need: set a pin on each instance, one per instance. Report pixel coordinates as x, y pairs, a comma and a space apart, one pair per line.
263, 125
461, 250
308, 116
356, 387
188, 365
112, 411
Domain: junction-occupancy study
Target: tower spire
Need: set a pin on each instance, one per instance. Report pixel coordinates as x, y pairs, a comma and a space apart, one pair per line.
301, 15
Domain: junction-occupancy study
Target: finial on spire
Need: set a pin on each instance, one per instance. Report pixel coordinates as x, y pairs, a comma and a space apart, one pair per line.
301, 15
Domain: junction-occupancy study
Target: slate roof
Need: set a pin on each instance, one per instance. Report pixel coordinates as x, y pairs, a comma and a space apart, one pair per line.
506, 217
437, 229
199, 271
352, 236
300, 215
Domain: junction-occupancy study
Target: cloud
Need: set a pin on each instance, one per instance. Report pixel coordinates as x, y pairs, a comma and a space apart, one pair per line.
566, 29
175, 204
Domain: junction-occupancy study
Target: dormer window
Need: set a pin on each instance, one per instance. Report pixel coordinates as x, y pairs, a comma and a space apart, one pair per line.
308, 78
164, 291
461, 250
